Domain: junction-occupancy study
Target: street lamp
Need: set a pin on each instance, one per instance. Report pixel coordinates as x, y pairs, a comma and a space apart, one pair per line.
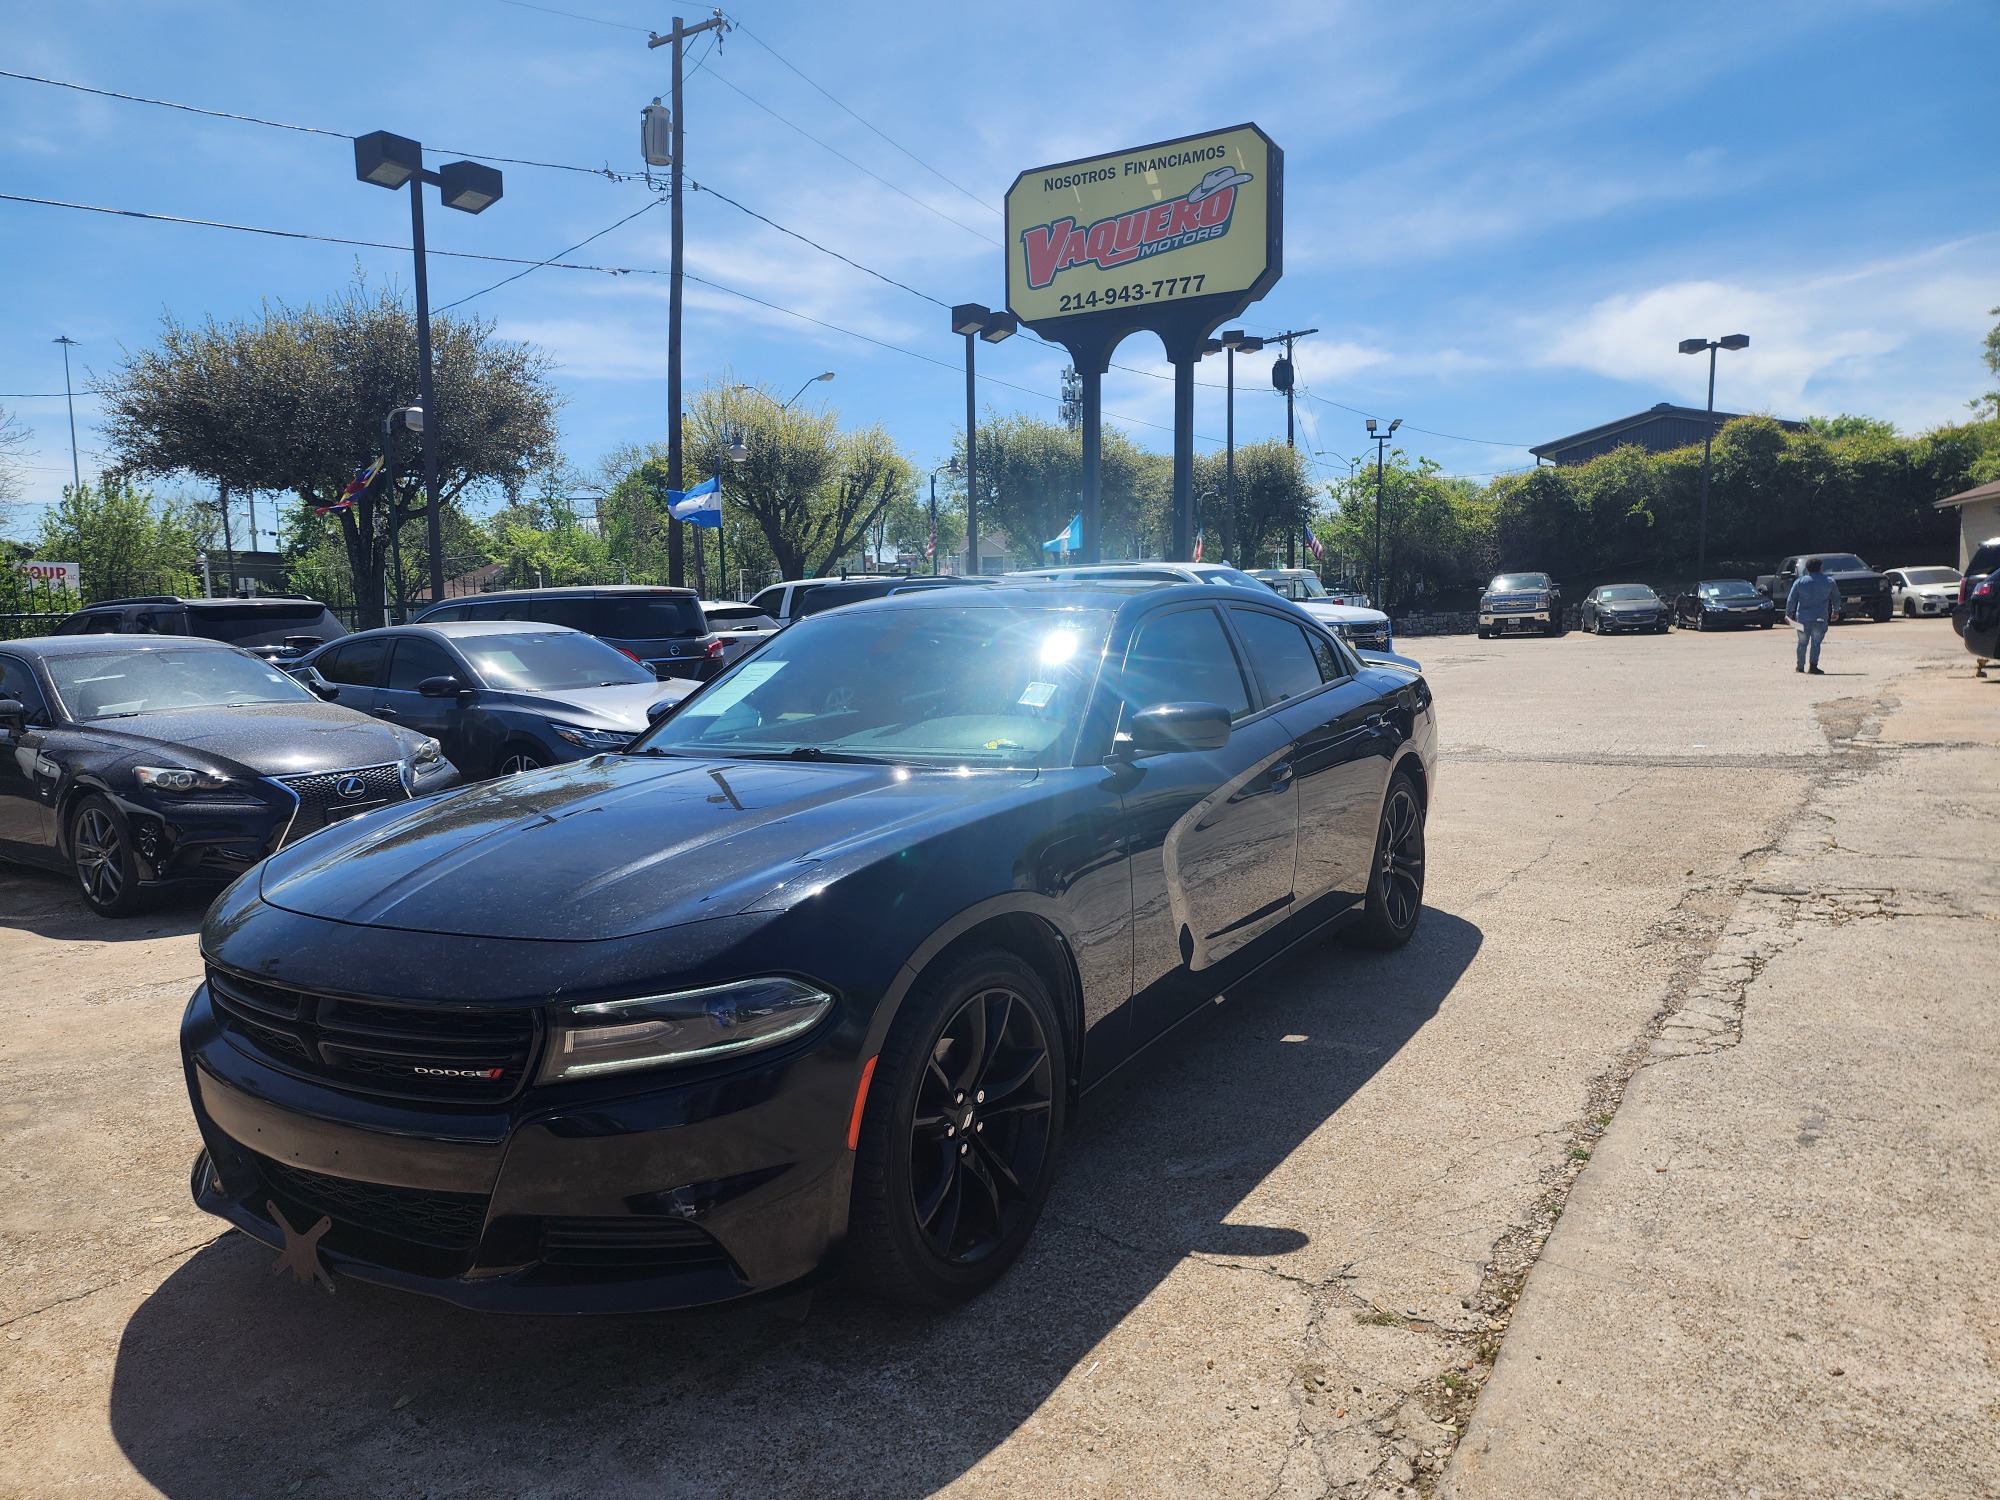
1697, 346
1233, 339
974, 320
393, 162
410, 419
1381, 441
952, 466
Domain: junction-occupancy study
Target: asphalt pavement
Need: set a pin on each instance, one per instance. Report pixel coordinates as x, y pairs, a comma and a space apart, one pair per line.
1283, 1254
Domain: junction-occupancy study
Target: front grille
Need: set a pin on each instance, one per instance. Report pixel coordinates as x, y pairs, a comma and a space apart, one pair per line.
1367, 637
636, 1246
444, 1221
1505, 604
449, 1054
321, 800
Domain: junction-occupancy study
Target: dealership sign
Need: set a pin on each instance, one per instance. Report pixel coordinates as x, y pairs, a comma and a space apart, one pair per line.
52, 575
1157, 237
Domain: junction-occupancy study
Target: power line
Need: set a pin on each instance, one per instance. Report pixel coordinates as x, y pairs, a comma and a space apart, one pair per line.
927, 208
575, 16
647, 208
1451, 436
739, 26
807, 240
27, 395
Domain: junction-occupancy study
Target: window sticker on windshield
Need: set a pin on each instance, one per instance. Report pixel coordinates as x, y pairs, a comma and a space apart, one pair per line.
746, 681
1038, 694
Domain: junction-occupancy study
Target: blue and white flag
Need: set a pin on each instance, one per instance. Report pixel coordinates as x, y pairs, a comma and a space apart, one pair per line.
1070, 541
701, 505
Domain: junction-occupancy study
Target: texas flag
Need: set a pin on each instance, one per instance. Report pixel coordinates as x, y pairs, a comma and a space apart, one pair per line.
701, 505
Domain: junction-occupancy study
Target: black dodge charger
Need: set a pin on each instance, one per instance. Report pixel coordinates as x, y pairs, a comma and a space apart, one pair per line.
143, 761
814, 973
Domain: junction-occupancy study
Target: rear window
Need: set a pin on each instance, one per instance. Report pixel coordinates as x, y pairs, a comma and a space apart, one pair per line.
263, 624
1985, 560
832, 596
669, 617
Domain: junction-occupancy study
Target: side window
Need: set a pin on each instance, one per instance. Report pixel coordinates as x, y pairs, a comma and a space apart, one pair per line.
1184, 657
447, 613
356, 665
771, 602
105, 622
1332, 666
74, 625
416, 659
575, 613
18, 683
1281, 653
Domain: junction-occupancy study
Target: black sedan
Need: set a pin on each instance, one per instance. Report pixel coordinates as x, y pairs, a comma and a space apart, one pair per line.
138, 762
1724, 604
812, 975
502, 697
1623, 606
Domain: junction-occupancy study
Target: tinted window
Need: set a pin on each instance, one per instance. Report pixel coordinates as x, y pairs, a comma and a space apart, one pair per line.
1332, 666
75, 625
575, 613
444, 614
546, 661
263, 624
18, 683
770, 602
159, 622
1985, 560
1280, 652
738, 617
416, 659
109, 622
659, 617
833, 595
1184, 657
355, 665
117, 682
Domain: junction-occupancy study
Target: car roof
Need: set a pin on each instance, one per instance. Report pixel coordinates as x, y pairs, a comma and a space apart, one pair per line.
1122, 595
84, 645
572, 591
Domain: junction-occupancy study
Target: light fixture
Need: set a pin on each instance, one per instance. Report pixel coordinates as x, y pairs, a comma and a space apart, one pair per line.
385, 159
737, 452
1371, 425
1735, 341
1694, 346
826, 375
413, 418
970, 317
469, 186
1000, 325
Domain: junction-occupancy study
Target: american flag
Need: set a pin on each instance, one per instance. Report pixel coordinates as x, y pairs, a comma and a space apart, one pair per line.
1313, 546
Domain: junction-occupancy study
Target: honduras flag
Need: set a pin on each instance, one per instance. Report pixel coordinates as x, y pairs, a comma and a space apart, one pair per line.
1071, 539
701, 505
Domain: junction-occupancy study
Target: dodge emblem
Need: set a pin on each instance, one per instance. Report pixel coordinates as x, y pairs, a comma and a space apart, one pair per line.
350, 786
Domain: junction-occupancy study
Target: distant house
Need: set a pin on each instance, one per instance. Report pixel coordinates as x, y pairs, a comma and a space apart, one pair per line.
1659, 430
1978, 518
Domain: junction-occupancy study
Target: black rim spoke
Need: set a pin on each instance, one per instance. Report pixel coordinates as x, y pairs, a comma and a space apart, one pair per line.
1006, 1087
1401, 866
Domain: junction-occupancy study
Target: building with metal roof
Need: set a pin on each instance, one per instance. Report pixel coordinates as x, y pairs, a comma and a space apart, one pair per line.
1658, 430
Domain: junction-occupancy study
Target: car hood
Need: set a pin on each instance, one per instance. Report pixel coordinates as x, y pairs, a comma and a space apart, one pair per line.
622, 706
615, 845
1342, 614
271, 739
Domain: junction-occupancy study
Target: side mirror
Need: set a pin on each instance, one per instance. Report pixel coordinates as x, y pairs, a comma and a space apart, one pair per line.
319, 687
1180, 726
659, 708
13, 715
443, 687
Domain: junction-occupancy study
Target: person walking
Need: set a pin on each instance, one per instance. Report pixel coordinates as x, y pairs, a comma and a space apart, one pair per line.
1812, 605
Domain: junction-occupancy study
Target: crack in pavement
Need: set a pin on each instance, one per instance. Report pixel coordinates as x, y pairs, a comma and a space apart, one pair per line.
106, 1286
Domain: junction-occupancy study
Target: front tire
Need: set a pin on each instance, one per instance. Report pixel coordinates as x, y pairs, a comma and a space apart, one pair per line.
959, 1138
517, 758
100, 852
1395, 897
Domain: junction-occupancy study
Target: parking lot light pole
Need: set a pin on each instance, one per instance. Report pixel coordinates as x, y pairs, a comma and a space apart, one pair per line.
949, 467
976, 321
1381, 441
394, 161
1696, 346
1232, 340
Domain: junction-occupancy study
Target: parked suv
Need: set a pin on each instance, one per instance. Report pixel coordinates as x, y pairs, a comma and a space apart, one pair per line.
782, 601
1977, 618
279, 629
1863, 591
661, 628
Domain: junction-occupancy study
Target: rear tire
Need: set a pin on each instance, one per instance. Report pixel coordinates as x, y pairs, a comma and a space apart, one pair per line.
960, 1133
1395, 899
100, 854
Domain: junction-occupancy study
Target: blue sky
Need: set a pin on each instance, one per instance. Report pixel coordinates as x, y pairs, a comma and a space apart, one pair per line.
1501, 217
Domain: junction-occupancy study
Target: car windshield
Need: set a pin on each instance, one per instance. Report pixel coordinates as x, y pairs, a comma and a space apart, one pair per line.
548, 661
1930, 575
1624, 591
113, 684
1842, 562
263, 624
942, 685
1729, 588
1518, 583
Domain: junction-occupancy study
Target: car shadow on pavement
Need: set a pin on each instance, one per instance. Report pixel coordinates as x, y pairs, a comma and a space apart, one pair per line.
48, 904
230, 1380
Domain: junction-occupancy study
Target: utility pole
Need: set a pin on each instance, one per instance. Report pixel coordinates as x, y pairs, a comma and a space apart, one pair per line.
1284, 378
677, 39
75, 469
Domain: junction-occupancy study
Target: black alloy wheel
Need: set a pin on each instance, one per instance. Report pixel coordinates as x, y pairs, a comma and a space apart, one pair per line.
101, 855
516, 760
958, 1140
1909, 610
1395, 897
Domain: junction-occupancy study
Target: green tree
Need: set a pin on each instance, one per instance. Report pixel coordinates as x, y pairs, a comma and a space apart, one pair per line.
1031, 487
1274, 492
294, 402
14, 439
125, 541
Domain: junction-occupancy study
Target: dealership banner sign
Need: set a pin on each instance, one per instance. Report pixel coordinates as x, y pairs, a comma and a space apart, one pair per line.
1148, 237
52, 575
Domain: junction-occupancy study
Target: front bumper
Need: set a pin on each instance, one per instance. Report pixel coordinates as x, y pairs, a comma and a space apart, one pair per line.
1652, 620
1930, 604
660, 1191
1514, 619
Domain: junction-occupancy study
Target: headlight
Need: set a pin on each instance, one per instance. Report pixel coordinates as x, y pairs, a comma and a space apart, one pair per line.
594, 739
614, 1036
429, 753
178, 779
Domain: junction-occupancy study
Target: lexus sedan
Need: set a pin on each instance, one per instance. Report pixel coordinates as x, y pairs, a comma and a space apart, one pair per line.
502, 697
1623, 606
1724, 604
813, 974
138, 762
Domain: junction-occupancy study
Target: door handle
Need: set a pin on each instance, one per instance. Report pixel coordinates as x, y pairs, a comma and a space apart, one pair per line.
1281, 775
385, 713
